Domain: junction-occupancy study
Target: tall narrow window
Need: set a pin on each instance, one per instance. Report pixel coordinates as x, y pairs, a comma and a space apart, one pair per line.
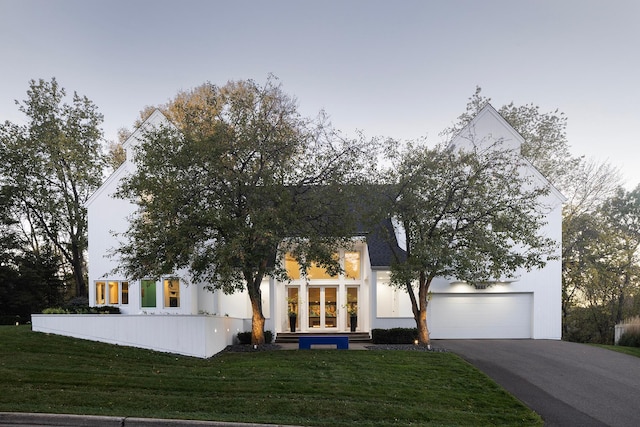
113, 292
352, 265
101, 292
171, 293
125, 293
148, 293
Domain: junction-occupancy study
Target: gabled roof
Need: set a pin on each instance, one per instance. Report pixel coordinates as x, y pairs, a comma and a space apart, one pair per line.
489, 124
155, 119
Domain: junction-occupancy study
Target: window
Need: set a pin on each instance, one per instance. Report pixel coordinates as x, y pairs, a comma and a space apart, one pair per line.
148, 293
352, 265
171, 293
318, 272
113, 293
101, 293
292, 266
125, 293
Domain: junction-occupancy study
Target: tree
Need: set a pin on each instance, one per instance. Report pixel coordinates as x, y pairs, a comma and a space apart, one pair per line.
116, 154
601, 267
582, 228
29, 281
240, 179
53, 164
545, 139
466, 213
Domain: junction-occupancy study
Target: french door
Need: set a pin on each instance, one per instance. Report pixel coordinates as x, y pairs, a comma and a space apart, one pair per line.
323, 308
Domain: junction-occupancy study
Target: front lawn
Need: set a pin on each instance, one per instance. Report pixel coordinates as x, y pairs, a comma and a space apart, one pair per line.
47, 373
632, 351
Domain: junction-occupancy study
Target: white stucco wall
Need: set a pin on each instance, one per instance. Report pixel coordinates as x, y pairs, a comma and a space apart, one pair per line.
198, 336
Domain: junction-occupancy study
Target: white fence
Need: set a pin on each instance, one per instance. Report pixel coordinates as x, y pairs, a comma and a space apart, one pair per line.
618, 332
198, 336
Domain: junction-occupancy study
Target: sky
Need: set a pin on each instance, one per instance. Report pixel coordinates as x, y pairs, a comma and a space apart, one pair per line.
400, 69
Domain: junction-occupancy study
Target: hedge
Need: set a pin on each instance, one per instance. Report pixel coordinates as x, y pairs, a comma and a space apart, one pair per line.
394, 336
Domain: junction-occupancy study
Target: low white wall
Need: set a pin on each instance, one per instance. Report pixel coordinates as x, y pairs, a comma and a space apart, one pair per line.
197, 335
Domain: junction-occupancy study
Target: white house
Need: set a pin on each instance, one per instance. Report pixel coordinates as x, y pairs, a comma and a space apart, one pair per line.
175, 315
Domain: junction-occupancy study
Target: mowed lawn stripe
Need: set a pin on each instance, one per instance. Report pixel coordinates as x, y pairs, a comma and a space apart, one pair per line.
47, 373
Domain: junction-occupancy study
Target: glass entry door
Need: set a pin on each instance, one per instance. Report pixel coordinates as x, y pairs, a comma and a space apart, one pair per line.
323, 308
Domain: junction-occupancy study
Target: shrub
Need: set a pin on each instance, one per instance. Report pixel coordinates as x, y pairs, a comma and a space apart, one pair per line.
394, 336
78, 302
106, 309
55, 310
630, 338
81, 309
245, 337
631, 335
11, 320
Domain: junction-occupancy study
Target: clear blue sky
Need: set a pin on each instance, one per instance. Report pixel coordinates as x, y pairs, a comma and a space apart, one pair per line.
403, 69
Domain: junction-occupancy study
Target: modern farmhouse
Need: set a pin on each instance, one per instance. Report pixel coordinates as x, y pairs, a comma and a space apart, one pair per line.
176, 315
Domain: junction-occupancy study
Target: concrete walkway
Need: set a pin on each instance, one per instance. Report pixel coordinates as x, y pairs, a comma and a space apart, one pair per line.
568, 384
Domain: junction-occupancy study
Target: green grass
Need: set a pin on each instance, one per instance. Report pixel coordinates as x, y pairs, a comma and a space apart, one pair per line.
632, 351
47, 373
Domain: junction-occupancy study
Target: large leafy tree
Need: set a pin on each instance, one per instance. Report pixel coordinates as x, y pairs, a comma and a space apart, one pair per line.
469, 214
238, 180
29, 280
592, 185
53, 163
601, 267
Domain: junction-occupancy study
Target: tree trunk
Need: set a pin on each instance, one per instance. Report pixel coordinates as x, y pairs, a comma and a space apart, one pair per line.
423, 331
78, 271
257, 318
419, 308
257, 326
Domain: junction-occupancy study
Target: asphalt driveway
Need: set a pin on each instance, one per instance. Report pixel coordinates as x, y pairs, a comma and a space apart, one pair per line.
568, 384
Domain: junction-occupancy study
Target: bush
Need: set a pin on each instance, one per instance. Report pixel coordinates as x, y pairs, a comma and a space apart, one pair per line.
82, 309
630, 339
394, 336
78, 302
55, 310
245, 337
106, 309
631, 335
11, 320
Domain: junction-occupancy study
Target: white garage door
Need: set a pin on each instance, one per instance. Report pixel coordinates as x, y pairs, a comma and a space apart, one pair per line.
458, 316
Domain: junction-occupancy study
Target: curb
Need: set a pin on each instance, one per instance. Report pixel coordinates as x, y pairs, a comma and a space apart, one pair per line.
63, 420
